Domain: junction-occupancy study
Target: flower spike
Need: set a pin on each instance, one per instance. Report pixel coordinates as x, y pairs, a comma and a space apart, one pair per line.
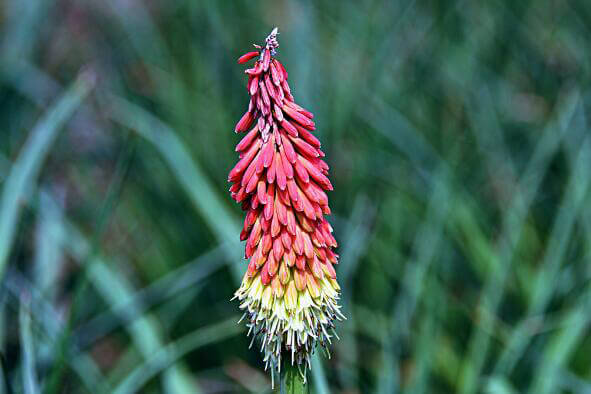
289, 292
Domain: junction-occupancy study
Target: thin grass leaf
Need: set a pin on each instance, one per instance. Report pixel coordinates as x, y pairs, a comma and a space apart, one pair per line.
114, 288
128, 310
81, 247
26, 168
48, 245
167, 355
20, 33
474, 242
114, 190
50, 324
556, 354
498, 385
185, 169
424, 344
403, 135
572, 382
354, 243
29, 374
426, 245
485, 126
572, 147
545, 280
150, 44
512, 226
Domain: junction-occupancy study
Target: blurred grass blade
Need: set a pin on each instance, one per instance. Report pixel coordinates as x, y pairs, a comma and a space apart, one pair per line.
113, 191
545, 280
24, 172
186, 170
354, 243
425, 247
30, 383
170, 285
50, 322
135, 18
424, 343
402, 134
20, 22
167, 355
561, 345
485, 126
49, 238
499, 385
114, 288
513, 222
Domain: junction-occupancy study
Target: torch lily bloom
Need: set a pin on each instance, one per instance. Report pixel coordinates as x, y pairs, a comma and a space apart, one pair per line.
289, 292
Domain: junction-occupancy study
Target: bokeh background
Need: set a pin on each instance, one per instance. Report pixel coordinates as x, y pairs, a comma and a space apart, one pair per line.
460, 152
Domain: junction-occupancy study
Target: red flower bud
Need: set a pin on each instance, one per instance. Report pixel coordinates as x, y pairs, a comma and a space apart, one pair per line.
247, 56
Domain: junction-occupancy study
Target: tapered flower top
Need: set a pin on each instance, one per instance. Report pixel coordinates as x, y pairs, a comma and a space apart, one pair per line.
289, 292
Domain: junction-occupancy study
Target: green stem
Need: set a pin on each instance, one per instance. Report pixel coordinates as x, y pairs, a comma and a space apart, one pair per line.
291, 382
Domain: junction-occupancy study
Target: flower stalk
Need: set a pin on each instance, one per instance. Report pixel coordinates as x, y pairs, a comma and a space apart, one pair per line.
289, 292
291, 381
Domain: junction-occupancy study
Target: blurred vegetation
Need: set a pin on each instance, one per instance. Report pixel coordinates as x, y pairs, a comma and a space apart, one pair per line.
457, 136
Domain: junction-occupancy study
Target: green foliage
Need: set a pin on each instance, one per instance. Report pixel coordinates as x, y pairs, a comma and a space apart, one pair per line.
459, 146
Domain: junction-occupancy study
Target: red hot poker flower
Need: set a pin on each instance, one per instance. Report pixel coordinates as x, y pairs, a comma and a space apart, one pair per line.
289, 292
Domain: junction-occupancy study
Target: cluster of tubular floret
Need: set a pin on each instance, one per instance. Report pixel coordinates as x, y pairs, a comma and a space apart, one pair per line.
289, 292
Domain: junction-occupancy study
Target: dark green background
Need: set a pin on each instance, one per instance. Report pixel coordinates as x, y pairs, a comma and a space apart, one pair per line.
458, 140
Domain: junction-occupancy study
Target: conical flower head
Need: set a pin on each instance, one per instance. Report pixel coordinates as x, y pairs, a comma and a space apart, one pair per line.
289, 292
